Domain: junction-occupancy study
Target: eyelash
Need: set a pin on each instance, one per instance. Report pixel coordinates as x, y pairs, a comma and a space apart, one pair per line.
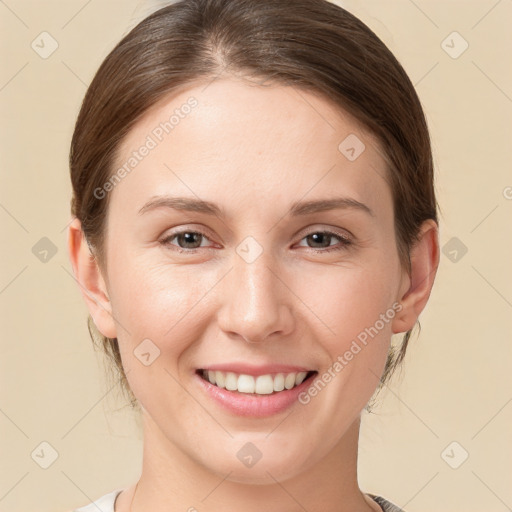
345, 241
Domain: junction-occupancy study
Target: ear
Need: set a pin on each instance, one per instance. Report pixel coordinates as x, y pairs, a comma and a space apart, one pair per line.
416, 287
90, 280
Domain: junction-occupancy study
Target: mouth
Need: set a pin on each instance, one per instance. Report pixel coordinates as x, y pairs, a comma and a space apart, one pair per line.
268, 384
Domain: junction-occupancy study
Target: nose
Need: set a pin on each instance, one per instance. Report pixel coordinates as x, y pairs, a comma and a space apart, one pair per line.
256, 301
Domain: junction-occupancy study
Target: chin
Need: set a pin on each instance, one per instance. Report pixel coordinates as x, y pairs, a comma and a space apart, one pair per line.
262, 472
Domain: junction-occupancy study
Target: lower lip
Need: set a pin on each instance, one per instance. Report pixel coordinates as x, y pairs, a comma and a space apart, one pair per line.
258, 406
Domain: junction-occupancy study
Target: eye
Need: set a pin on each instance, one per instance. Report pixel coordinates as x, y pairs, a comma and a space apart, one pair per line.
324, 237
187, 238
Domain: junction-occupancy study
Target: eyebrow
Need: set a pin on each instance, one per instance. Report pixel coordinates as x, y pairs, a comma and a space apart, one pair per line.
298, 208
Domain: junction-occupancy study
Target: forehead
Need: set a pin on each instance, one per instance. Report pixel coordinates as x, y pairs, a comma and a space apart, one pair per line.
232, 141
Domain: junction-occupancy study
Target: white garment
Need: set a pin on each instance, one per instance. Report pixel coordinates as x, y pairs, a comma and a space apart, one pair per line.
103, 504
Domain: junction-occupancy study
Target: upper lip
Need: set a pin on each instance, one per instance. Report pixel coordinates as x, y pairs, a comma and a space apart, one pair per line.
255, 370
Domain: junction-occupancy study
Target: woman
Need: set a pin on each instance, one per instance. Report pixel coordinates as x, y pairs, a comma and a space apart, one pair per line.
254, 217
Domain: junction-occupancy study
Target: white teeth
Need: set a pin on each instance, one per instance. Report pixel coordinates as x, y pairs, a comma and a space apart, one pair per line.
246, 384
289, 382
300, 377
231, 381
261, 385
264, 385
220, 380
279, 382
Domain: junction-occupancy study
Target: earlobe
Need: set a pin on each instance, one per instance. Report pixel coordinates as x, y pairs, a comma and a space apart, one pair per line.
415, 293
90, 280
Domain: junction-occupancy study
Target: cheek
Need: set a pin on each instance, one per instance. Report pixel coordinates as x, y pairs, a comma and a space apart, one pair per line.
345, 301
155, 296
163, 304
158, 301
355, 311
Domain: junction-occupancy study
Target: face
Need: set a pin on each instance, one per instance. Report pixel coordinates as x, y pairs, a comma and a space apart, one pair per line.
263, 285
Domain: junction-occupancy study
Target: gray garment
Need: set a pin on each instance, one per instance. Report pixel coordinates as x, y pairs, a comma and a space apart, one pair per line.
106, 503
386, 505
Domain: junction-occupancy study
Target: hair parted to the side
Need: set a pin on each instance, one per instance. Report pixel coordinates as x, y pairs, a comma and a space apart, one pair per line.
312, 45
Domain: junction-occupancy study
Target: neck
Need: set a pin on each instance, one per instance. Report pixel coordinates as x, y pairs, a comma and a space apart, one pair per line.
173, 480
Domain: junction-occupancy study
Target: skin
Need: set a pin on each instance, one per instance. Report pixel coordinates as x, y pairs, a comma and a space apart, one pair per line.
254, 151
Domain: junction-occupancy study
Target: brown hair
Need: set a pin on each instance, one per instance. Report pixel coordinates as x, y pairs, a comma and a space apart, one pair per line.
309, 44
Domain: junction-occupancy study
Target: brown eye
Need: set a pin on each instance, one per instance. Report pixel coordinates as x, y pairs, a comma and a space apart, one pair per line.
187, 241
321, 241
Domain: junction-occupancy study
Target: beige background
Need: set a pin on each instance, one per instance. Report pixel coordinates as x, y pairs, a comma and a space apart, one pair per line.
456, 383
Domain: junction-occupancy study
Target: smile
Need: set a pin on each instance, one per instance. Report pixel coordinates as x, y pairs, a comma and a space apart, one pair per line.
255, 390
257, 385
